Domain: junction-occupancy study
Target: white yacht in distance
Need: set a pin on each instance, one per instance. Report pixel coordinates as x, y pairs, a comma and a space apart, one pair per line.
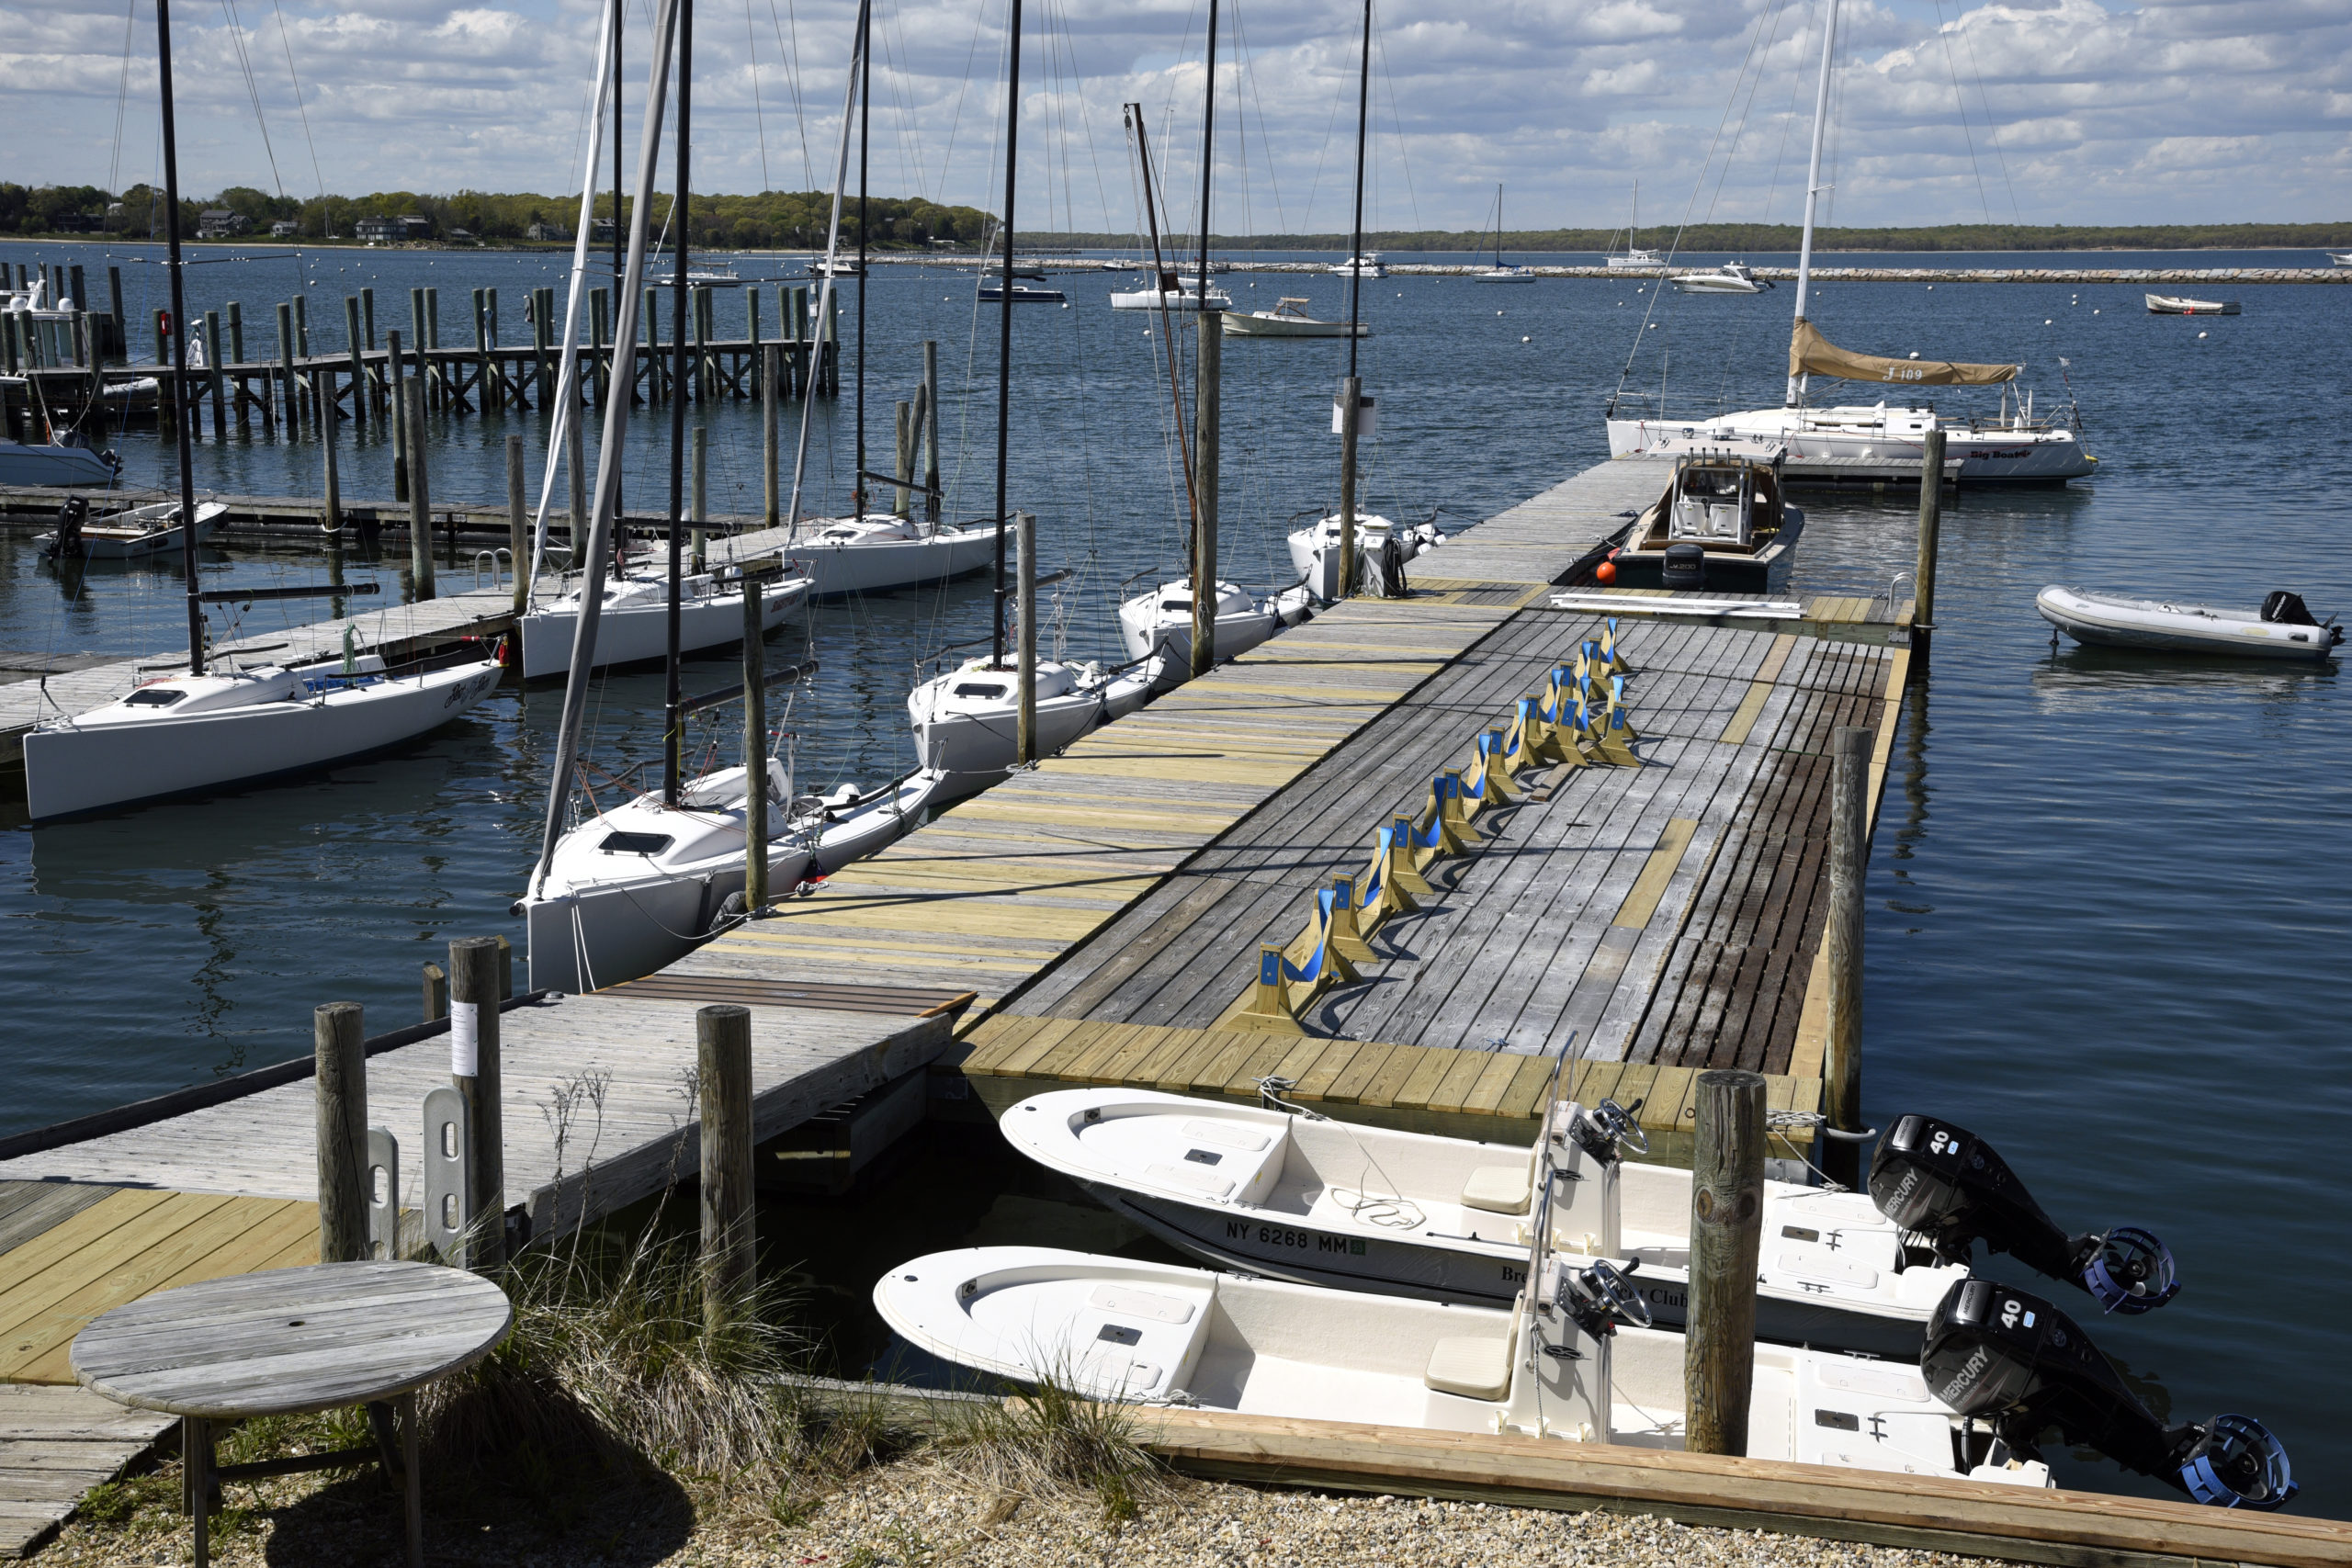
1369, 264
2011, 447
1732, 277
1173, 294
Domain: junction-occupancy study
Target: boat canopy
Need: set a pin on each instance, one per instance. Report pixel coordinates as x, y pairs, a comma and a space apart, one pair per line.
1810, 354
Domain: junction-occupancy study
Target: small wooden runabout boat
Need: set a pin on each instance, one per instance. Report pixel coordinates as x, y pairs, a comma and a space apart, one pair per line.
2283, 628
2180, 305
1723, 525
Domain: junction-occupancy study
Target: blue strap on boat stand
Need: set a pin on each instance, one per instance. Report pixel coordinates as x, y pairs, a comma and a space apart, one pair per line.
1313, 969
1372, 879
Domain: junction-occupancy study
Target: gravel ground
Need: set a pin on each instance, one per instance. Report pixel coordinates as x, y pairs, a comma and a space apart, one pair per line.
919, 1512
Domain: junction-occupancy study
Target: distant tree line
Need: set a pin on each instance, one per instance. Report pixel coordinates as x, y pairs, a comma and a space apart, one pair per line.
773, 219
798, 220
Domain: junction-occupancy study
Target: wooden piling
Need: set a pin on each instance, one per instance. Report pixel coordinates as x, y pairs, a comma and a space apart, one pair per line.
233, 315
730, 1239
1206, 397
700, 363
517, 540
1024, 536
904, 470
1931, 517
341, 1056
162, 342
488, 388
290, 388
420, 499
1727, 1233
931, 498
416, 330
435, 374
756, 367
755, 749
542, 381
1351, 412
575, 458
771, 492
697, 496
473, 1072
367, 314
399, 399
600, 353
214, 375
1841, 942
122, 322
331, 516
436, 993
657, 385
359, 364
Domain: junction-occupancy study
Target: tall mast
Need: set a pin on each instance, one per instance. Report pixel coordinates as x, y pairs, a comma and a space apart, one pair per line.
674, 728
179, 341
1004, 313
1160, 275
864, 133
1355, 239
1499, 225
626, 381
833, 253
1813, 174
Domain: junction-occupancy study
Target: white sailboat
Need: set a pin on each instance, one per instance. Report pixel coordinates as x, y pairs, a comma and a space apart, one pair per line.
879, 552
2011, 447
966, 719
1173, 294
635, 620
1498, 273
1158, 622
1634, 256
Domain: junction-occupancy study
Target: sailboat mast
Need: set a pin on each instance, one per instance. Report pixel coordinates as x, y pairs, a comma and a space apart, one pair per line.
607, 504
825, 284
1004, 312
673, 727
1355, 235
626, 380
1813, 174
1209, 130
865, 136
179, 341
1160, 277
1499, 226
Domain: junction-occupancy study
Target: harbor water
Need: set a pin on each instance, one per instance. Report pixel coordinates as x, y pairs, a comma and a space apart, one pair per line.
2105, 894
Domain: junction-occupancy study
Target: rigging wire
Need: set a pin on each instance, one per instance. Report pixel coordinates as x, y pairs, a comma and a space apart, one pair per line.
1960, 102
122, 94
791, 54
285, 41
1992, 125
253, 89
758, 114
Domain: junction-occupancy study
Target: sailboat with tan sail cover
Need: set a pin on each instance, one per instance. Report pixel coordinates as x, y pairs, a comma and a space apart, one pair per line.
2010, 446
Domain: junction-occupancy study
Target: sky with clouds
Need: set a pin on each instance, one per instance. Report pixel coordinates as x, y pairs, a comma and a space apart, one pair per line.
2082, 111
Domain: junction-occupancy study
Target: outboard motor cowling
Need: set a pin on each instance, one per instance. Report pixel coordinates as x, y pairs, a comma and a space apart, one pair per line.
2009, 1358
2282, 608
1948, 1187
1685, 567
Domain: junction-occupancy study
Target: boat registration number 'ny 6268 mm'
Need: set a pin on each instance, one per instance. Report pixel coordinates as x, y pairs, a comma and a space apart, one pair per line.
1283, 1236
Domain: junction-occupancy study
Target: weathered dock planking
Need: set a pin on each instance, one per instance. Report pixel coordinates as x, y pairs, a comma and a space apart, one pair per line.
55, 1445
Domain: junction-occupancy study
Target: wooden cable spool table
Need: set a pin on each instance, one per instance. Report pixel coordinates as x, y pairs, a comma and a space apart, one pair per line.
292, 1342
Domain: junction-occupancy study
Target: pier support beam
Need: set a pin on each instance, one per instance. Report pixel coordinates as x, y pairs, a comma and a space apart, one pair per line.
420, 500
1931, 518
771, 373
1024, 656
730, 1237
930, 411
755, 747
1841, 942
342, 1104
699, 497
473, 1072
1727, 1233
397, 386
1207, 401
517, 528
1351, 411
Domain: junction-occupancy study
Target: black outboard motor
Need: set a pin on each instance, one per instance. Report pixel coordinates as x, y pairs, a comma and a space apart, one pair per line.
1685, 567
1945, 1185
2015, 1361
2284, 609
70, 518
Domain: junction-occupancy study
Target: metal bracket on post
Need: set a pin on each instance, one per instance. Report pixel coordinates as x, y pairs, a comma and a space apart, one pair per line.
383, 1193
449, 1138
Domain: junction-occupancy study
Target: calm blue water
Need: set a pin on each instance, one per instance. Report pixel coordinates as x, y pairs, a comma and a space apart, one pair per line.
2109, 893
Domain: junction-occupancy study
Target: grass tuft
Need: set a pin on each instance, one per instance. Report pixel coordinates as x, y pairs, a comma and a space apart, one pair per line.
1056, 1441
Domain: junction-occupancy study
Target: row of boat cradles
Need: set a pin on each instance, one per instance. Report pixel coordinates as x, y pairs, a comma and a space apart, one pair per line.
1362, 1274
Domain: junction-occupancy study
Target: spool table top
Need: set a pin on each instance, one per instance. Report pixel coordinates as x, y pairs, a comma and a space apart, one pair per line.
292, 1340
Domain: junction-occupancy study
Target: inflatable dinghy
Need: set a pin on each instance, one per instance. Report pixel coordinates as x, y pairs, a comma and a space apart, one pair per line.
2283, 628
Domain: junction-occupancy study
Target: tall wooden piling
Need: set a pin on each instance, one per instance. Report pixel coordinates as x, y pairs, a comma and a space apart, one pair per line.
215, 376
232, 315
931, 497
395, 386
1350, 414
416, 337
473, 1072
341, 1096
517, 525
436, 375
359, 364
697, 496
330, 517
122, 322
755, 747
730, 1239
542, 383
1727, 1233
1841, 943
770, 496
600, 355
420, 498
575, 458
1206, 400
1931, 518
701, 363
486, 382
1024, 656
657, 385
290, 384
905, 458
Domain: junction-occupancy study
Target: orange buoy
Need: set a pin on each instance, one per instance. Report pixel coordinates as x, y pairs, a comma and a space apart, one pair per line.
1606, 571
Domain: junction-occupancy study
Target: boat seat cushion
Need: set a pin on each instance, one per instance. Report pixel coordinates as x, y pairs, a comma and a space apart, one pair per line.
1500, 1188
1474, 1366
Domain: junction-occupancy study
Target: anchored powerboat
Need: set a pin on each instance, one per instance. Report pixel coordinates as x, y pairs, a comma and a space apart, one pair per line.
1158, 622
1732, 277
1723, 524
130, 535
633, 624
183, 735
1367, 264
1287, 318
2283, 628
65, 461
966, 720
634, 889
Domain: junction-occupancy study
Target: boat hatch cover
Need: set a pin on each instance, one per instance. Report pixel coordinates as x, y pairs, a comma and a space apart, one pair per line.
978, 689
634, 843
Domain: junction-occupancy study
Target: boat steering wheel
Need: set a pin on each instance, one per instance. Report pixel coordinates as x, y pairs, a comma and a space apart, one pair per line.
1613, 1294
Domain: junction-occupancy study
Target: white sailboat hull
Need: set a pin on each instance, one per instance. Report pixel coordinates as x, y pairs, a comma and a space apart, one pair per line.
883, 565
639, 633
76, 767
2035, 456
1265, 324
978, 743
134, 535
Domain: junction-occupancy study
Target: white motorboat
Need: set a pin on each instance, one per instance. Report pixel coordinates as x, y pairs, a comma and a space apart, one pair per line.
2181, 305
966, 720
67, 462
2283, 628
182, 734
1367, 264
2009, 449
1327, 1202
636, 888
1732, 277
1722, 525
1159, 622
131, 534
1554, 1364
633, 625
879, 552
1287, 318
1172, 295
1315, 551
2340, 258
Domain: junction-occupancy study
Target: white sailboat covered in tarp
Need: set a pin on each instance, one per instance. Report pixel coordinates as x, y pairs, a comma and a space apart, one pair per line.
2012, 446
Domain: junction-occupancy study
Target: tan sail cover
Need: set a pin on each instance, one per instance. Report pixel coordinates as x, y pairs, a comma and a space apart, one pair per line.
1810, 354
